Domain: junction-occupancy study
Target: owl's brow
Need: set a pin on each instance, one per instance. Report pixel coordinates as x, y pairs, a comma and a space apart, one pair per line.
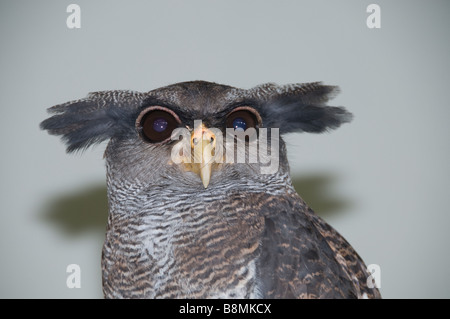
184, 113
152, 101
231, 106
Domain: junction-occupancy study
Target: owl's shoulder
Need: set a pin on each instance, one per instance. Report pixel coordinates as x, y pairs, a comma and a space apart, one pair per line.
304, 257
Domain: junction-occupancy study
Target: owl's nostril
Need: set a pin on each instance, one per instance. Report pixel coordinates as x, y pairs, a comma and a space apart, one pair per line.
202, 136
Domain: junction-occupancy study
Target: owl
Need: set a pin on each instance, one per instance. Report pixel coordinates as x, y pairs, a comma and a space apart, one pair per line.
201, 203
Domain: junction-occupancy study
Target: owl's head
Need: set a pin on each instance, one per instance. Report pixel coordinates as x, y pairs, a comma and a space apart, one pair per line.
194, 135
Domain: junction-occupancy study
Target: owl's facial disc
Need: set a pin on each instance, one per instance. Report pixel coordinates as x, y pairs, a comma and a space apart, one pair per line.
203, 145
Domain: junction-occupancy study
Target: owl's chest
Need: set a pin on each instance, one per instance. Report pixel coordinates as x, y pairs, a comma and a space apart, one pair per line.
205, 250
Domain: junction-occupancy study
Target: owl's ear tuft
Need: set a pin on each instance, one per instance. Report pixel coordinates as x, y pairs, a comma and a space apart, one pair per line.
94, 119
301, 107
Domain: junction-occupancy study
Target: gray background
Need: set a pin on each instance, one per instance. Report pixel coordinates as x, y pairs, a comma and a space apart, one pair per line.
382, 181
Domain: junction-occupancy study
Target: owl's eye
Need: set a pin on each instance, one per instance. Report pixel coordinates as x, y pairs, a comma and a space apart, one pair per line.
243, 118
155, 124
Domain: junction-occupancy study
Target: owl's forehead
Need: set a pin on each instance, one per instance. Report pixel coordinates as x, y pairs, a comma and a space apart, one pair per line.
198, 98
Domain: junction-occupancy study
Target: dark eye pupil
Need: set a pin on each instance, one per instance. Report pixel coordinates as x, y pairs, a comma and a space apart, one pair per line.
160, 125
239, 124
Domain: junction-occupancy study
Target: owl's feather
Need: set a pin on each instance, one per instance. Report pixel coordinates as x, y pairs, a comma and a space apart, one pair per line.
94, 119
303, 257
301, 107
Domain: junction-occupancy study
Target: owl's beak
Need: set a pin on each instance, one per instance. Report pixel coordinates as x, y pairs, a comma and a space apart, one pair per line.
203, 144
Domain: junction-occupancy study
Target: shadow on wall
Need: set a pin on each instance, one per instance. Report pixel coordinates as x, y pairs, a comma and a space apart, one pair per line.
75, 213
317, 190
